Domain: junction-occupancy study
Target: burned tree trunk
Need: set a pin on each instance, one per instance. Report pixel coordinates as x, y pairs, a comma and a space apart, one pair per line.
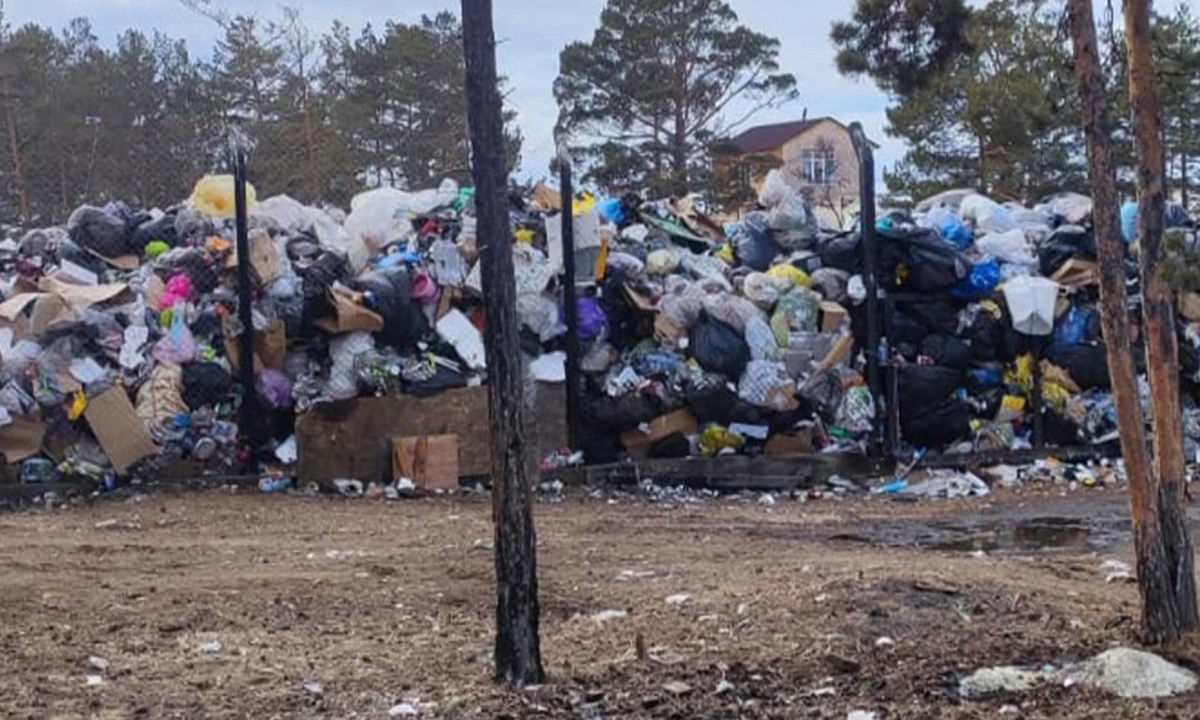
1178, 612
517, 654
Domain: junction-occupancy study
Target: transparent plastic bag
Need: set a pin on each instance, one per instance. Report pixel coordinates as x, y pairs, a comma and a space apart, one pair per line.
1009, 247
774, 189
766, 384
761, 339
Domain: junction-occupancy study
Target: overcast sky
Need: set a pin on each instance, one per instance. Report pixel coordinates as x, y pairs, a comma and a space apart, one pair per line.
531, 34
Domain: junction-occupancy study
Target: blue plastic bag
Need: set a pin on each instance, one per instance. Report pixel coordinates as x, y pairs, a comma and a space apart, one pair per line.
1074, 328
984, 277
1129, 221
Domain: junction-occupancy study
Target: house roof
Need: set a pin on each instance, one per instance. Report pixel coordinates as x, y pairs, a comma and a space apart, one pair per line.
770, 137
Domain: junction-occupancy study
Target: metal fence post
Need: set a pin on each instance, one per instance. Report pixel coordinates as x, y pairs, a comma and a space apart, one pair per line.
249, 419
866, 181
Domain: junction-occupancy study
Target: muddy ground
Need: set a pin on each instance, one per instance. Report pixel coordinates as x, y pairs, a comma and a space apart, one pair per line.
237, 605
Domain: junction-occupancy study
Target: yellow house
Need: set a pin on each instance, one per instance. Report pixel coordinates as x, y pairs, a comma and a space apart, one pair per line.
816, 157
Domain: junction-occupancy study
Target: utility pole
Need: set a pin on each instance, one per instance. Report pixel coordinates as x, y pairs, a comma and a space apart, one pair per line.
1177, 613
518, 655
1163, 615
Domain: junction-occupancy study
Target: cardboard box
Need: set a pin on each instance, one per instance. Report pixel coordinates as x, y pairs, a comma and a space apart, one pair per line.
832, 316
798, 442
270, 346
118, 429
430, 461
638, 443
1189, 306
1076, 272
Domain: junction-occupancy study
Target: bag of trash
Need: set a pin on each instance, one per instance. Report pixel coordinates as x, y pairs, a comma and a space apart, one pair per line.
710, 398
404, 324
1009, 247
856, 414
275, 389
763, 289
798, 311
214, 196
675, 445
98, 231
719, 348
160, 229
1067, 242
949, 225
831, 283
1079, 325
774, 188
343, 351
161, 397
792, 223
205, 383
843, 252
593, 322
919, 261
984, 277
716, 440
937, 425
442, 379
987, 214
766, 384
947, 351
733, 310
924, 386
756, 248
177, 346
1086, 364
761, 339
540, 313
706, 267
822, 395
620, 414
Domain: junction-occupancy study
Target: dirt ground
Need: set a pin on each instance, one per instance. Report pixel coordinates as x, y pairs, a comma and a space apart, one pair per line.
229, 604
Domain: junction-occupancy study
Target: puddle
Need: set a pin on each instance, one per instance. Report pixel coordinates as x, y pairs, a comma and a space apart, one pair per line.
999, 536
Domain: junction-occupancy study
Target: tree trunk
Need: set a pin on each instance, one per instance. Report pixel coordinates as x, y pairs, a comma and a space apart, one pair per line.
1172, 611
517, 653
1155, 581
18, 174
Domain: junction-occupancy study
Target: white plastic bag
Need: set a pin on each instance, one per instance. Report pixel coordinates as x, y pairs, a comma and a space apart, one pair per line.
766, 384
1031, 302
774, 189
1008, 247
988, 215
344, 350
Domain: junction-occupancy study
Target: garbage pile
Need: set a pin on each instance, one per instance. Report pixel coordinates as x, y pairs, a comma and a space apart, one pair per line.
701, 336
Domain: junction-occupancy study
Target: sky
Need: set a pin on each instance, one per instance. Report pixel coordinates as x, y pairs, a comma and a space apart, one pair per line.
530, 34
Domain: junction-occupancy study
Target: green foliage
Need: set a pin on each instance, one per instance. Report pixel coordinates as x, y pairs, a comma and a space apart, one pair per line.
142, 120
902, 44
996, 110
657, 85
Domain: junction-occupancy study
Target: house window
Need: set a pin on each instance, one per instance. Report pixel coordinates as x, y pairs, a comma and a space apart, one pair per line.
816, 167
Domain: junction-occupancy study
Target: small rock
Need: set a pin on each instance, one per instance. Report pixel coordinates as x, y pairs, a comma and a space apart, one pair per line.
593, 696
679, 599
841, 664
314, 688
766, 499
605, 615
651, 701
402, 710
724, 687
743, 610
106, 524
1130, 673
988, 682
98, 663
677, 688
885, 643
860, 715
94, 681
210, 648
1010, 710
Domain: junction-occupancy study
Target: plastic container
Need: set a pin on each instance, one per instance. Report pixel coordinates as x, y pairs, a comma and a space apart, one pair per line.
1031, 302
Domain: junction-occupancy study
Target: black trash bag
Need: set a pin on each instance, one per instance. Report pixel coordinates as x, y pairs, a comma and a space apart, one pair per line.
924, 386
1058, 430
1086, 364
992, 338
605, 414
675, 445
599, 448
755, 247
719, 348
936, 426
930, 264
69, 250
842, 252
623, 319
947, 351
821, 395
205, 383
711, 402
161, 229
443, 379
1068, 241
913, 321
95, 230
317, 279
404, 324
